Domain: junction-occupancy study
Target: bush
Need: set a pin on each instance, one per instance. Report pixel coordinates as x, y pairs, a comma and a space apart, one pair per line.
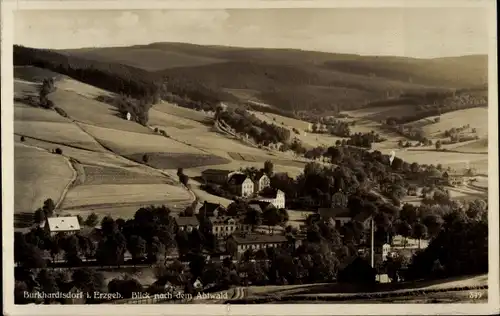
58, 151
145, 158
22, 139
61, 112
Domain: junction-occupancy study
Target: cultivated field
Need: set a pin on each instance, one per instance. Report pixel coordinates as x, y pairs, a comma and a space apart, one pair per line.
38, 175
106, 195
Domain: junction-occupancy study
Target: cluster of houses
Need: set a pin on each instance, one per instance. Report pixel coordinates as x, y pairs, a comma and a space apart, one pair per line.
257, 188
234, 229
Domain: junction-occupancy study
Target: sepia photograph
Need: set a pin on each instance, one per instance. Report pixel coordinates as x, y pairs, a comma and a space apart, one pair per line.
250, 156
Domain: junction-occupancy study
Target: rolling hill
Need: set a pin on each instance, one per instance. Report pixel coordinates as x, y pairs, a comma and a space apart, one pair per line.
291, 81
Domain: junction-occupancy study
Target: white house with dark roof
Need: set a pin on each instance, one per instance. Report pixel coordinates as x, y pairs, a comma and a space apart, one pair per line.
260, 181
241, 185
273, 196
67, 225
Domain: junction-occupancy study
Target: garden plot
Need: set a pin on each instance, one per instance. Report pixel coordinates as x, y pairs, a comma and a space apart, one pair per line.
110, 195
100, 175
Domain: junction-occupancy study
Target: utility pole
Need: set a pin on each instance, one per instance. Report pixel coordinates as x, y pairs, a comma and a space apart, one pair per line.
372, 244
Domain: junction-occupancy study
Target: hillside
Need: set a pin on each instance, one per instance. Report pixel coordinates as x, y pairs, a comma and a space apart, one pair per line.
291, 81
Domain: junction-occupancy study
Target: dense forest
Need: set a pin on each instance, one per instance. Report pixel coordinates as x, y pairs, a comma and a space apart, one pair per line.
296, 83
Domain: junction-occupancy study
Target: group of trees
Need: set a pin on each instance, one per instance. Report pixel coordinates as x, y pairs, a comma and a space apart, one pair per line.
364, 140
47, 87
334, 127
245, 123
138, 108
148, 236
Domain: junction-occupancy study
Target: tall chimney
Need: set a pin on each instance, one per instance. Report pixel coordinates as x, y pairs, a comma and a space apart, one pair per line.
372, 251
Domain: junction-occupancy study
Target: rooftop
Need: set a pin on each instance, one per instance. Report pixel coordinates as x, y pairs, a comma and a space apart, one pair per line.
223, 220
259, 239
269, 193
334, 212
238, 179
216, 171
62, 224
187, 221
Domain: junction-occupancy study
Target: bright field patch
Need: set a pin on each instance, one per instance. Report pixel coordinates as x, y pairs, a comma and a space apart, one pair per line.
89, 111
24, 112
108, 195
38, 175
454, 160
480, 146
476, 117
185, 113
58, 133
164, 120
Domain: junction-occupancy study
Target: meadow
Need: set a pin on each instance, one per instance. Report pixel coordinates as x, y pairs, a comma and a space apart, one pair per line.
38, 175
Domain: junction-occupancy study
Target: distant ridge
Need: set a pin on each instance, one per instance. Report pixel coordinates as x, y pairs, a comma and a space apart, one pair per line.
290, 80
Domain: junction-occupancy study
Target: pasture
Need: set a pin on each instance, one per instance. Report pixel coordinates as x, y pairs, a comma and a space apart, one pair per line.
476, 117
128, 143
89, 111
23, 112
455, 160
57, 132
38, 175
183, 113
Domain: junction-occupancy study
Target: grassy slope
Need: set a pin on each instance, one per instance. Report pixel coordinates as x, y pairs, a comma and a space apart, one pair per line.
38, 175
294, 79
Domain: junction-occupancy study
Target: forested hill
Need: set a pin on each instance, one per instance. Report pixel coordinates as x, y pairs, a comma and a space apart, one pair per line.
288, 80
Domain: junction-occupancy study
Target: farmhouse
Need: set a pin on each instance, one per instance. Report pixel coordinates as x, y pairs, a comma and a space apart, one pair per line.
340, 216
66, 225
211, 209
187, 223
258, 241
273, 196
454, 179
217, 176
241, 185
226, 226
260, 181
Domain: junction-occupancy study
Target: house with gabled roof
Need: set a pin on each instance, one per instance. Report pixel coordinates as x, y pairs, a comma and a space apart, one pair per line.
187, 223
211, 209
224, 226
260, 181
340, 216
240, 184
273, 196
246, 241
66, 225
218, 176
